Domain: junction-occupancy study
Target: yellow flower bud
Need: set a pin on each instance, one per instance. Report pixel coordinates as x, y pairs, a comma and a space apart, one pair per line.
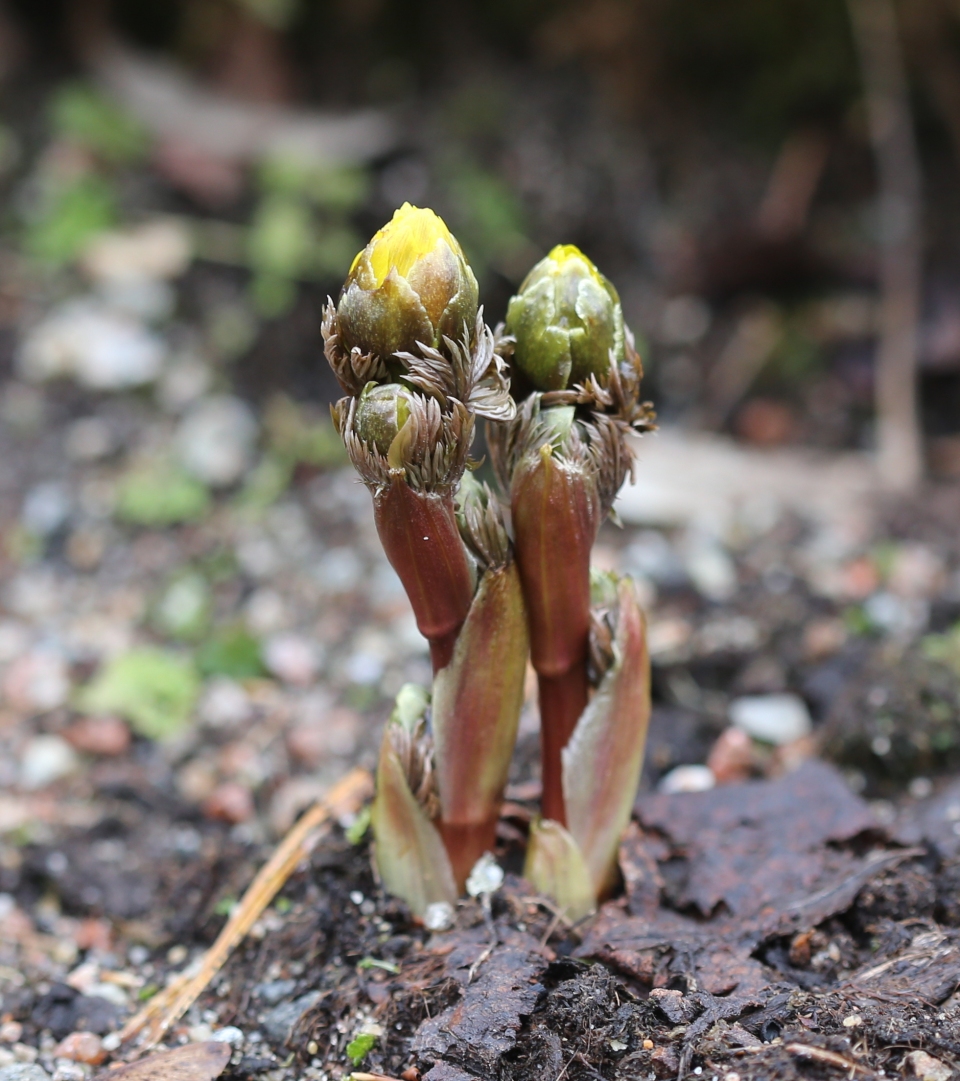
410, 284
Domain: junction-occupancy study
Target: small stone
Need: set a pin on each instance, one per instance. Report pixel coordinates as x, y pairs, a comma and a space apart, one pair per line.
772, 718
102, 349
291, 658
85, 549
265, 612
230, 802
46, 759
200, 1033
11, 1032
216, 438
89, 439
928, 1068
279, 1022
81, 1047
69, 1071
438, 916
709, 566
231, 1035
37, 682
185, 379
274, 991
46, 508
687, 779
157, 249
315, 739
24, 1071
106, 735
852, 1020
731, 757
486, 876
225, 704
823, 637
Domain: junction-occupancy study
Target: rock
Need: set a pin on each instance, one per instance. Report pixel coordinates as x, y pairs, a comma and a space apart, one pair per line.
650, 555
771, 718
157, 249
37, 682
85, 549
292, 658
230, 802
765, 422
106, 735
63, 1010
921, 1065
731, 757
709, 566
225, 704
46, 759
24, 1071
46, 508
101, 348
89, 439
279, 1022
81, 1047
265, 612
69, 1071
216, 438
274, 990
687, 779
316, 737
142, 298
231, 1035
184, 380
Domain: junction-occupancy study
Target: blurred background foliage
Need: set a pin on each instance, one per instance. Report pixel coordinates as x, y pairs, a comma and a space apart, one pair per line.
713, 158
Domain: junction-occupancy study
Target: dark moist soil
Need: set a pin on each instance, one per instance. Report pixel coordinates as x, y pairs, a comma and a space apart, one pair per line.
772, 929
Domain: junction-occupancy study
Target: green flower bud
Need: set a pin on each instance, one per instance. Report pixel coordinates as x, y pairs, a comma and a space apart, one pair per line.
410, 284
567, 321
381, 412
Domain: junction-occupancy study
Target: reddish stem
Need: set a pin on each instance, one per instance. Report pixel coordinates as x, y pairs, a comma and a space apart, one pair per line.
562, 699
465, 843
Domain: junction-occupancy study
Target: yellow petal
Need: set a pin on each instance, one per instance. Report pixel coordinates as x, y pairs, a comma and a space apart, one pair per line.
411, 233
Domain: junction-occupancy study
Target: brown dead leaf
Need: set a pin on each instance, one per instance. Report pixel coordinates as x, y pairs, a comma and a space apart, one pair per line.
194, 1062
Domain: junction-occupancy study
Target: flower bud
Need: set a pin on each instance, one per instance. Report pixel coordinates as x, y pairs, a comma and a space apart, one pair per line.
566, 320
381, 412
410, 284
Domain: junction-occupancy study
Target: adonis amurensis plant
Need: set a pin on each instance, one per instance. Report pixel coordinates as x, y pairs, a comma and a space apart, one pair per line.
409, 346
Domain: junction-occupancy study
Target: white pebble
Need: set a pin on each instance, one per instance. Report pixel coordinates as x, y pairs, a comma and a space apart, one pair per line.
46, 759
687, 779
216, 438
231, 1035
772, 718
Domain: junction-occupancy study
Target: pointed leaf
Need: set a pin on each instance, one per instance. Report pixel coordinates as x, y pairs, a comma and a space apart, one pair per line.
556, 868
476, 710
602, 761
410, 856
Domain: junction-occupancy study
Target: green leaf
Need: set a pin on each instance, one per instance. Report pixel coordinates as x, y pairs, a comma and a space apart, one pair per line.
81, 113
160, 494
556, 868
357, 829
604, 757
153, 689
232, 652
69, 218
375, 962
410, 856
361, 1046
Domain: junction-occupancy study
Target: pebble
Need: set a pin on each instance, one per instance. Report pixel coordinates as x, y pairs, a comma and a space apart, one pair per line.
731, 757
230, 802
108, 736
652, 556
46, 508
292, 658
215, 441
81, 1047
278, 1022
687, 779
274, 991
772, 718
69, 1071
315, 738
11, 1032
89, 439
24, 1071
156, 249
102, 349
37, 682
225, 704
46, 759
710, 568
184, 381
927, 1068
231, 1035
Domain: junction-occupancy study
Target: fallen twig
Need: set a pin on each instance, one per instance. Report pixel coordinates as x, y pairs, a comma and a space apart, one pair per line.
822, 1054
169, 1005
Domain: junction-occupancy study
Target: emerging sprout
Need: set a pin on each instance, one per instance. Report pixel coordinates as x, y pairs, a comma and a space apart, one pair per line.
566, 320
411, 284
